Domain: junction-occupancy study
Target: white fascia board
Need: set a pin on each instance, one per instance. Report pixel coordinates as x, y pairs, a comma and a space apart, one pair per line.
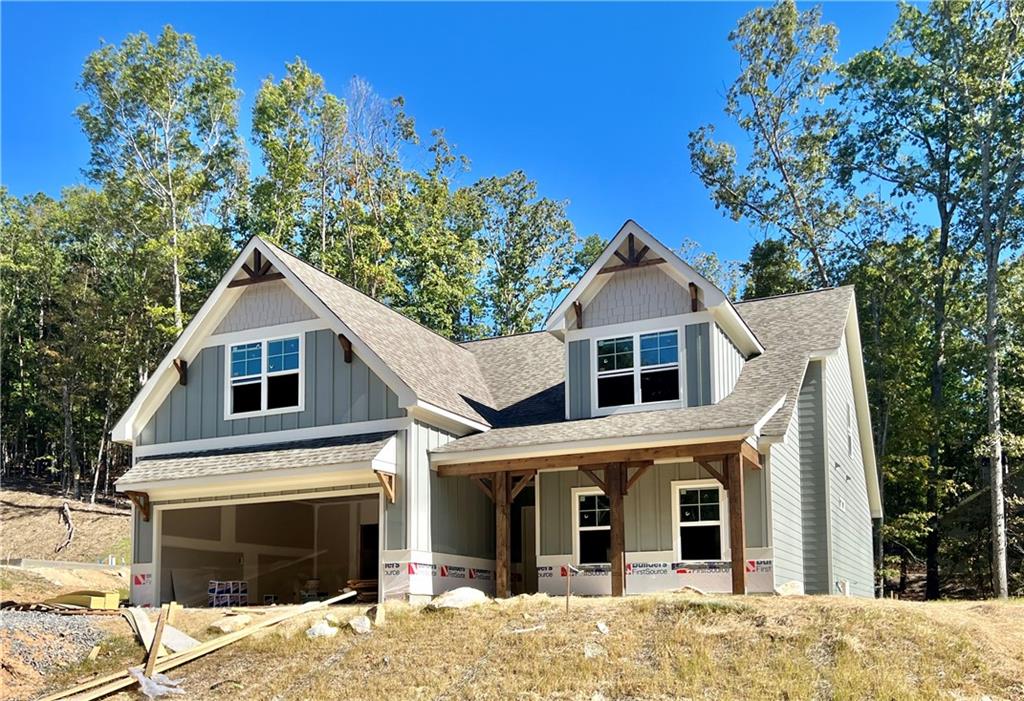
860, 398
594, 446
220, 301
442, 418
248, 440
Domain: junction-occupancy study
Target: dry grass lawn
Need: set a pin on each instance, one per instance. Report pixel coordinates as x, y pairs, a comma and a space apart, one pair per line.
657, 647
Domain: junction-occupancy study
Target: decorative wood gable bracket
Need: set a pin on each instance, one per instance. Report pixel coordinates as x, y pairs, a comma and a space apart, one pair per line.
633, 259
387, 483
141, 501
695, 298
182, 367
259, 272
346, 347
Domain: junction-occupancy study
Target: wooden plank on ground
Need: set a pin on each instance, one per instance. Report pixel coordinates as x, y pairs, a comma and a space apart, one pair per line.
101, 686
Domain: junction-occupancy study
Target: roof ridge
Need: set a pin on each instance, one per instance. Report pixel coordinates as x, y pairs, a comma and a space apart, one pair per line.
498, 338
357, 290
794, 294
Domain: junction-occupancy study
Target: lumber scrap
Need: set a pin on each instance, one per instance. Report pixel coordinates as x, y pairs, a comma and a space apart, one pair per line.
88, 598
154, 647
101, 686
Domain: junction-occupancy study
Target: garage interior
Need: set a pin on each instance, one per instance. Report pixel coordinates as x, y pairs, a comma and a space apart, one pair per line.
285, 551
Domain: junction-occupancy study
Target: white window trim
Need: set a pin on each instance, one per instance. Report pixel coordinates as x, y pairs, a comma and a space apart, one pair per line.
264, 374
578, 492
637, 369
723, 519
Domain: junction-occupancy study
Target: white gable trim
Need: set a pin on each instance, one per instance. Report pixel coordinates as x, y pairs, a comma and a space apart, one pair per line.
863, 409
679, 270
193, 338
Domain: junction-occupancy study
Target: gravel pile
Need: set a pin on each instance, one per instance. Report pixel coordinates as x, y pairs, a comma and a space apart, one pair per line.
45, 641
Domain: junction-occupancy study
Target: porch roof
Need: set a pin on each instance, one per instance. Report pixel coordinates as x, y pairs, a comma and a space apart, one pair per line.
320, 453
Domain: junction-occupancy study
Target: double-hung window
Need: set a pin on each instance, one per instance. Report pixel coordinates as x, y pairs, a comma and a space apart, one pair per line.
265, 376
622, 381
593, 528
699, 521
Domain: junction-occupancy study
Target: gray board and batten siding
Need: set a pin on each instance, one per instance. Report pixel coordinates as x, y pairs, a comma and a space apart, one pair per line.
336, 392
649, 506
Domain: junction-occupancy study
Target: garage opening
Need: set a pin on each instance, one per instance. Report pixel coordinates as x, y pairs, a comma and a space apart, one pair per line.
270, 552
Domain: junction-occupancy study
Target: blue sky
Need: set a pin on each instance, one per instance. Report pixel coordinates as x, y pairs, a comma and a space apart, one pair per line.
594, 101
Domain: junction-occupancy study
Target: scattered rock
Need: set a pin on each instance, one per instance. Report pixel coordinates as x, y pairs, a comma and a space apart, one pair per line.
322, 629
376, 614
460, 598
790, 588
332, 619
229, 624
592, 650
602, 627
359, 624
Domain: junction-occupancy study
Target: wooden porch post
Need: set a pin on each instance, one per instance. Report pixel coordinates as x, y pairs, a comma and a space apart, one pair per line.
503, 529
614, 480
737, 538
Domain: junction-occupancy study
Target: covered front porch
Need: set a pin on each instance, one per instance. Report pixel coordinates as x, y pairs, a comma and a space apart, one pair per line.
613, 474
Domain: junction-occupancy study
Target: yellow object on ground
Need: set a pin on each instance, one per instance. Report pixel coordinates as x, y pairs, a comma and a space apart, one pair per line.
88, 599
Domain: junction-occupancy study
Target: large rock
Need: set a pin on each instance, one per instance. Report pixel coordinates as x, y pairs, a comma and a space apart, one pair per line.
460, 598
359, 624
790, 588
322, 629
229, 624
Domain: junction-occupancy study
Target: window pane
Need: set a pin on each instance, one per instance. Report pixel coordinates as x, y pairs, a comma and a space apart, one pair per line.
700, 543
709, 496
245, 359
689, 496
245, 397
709, 512
615, 391
689, 513
659, 385
624, 361
595, 547
283, 355
604, 517
588, 518
668, 355
282, 391
659, 348
649, 342
615, 354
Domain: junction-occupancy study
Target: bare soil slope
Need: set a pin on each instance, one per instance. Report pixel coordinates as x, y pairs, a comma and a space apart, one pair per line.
30, 526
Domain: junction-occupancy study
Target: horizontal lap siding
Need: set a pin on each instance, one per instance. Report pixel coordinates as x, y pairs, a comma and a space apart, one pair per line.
852, 556
814, 488
787, 507
649, 517
336, 392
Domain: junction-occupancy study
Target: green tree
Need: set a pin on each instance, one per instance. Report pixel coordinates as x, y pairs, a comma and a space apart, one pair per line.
772, 269
161, 121
779, 101
528, 243
439, 256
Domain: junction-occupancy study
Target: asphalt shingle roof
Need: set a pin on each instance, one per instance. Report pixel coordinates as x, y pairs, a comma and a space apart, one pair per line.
277, 456
523, 370
437, 370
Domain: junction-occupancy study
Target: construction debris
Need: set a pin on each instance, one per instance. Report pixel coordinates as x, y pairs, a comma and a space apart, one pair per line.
321, 629
156, 686
90, 599
101, 686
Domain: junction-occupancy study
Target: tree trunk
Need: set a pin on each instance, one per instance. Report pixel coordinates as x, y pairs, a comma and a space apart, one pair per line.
99, 454
71, 461
178, 318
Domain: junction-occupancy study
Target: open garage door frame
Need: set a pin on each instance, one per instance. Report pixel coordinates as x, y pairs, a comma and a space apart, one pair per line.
158, 510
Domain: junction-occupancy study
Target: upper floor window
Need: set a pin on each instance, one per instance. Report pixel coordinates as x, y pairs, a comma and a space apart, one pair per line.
265, 376
621, 380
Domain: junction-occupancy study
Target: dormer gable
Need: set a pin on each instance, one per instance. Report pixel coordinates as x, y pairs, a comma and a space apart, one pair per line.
645, 330
635, 263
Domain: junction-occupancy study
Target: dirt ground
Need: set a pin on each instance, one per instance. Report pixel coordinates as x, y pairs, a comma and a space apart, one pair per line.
30, 527
655, 647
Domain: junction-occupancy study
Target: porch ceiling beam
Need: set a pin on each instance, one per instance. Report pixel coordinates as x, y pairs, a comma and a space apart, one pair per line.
705, 451
750, 456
